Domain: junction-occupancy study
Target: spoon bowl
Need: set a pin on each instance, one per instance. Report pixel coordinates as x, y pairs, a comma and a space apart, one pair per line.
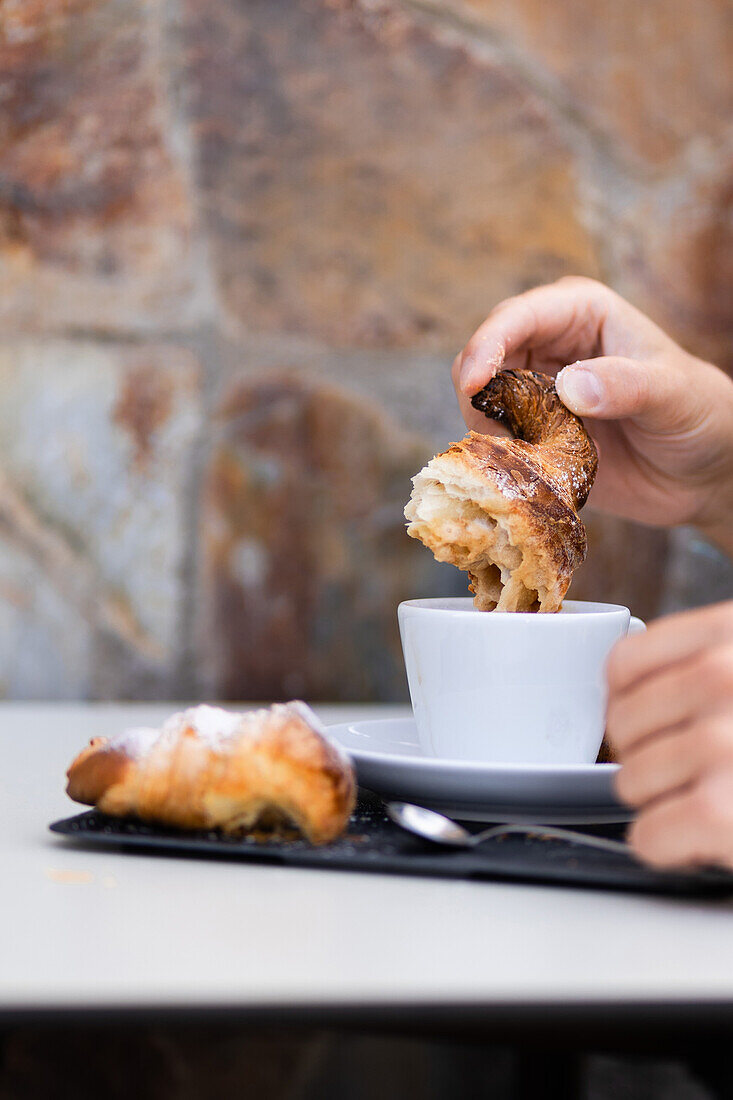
429, 824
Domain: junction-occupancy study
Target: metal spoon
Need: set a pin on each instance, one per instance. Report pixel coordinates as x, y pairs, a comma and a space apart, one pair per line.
442, 830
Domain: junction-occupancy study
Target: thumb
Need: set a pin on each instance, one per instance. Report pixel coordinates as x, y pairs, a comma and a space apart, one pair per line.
612, 388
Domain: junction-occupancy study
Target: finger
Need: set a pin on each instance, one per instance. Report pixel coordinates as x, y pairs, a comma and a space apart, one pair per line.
667, 642
695, 826
661, 702
675, 759
614, 388
658, 767
474, 419
564, 318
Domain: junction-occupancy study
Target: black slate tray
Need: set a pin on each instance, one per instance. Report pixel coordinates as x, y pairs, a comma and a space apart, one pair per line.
373, 843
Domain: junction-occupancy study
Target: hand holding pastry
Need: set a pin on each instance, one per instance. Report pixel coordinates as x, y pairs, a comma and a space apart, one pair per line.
662, 419
670, 720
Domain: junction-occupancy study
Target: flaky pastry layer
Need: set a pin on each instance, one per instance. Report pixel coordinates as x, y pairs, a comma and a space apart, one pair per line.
483, 507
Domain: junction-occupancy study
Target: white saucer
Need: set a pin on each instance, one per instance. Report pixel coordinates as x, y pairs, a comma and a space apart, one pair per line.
390, 762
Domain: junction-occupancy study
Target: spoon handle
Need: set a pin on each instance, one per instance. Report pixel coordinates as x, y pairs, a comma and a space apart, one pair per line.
618, 847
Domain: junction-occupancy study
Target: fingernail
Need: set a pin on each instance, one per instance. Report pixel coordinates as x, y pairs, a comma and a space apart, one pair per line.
477, 369
579, 389
468, 367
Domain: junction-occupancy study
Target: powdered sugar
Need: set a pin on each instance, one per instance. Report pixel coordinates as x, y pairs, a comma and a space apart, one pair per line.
213, 726
302, 710
135, 742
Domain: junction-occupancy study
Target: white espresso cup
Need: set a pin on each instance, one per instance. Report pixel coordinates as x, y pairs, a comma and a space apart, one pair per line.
506, 687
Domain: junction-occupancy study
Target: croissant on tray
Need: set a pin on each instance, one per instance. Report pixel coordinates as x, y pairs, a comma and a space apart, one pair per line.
210, 768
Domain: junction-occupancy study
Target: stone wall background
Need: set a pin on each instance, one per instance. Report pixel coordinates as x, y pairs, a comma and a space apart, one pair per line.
240, 243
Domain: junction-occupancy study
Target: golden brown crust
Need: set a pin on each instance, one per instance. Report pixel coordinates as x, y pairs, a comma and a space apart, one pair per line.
505, 510
272, 767
560, 448
95, 769
540, 520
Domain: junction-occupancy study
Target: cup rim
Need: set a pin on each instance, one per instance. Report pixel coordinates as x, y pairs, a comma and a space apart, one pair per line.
575, 608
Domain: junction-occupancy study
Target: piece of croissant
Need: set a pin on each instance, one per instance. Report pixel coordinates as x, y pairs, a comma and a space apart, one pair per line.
209, 768
506, 510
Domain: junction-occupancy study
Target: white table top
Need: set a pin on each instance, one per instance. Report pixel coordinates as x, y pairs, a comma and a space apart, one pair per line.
81, 929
